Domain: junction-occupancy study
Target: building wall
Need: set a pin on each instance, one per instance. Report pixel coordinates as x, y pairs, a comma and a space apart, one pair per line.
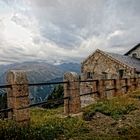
101, 66
136, 51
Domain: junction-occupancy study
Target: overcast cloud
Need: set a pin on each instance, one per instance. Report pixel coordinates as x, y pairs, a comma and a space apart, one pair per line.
66, 30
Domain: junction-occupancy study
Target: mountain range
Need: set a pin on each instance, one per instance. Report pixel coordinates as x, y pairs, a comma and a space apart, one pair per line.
39, 72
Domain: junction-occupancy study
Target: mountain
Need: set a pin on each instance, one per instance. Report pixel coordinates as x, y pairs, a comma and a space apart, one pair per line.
36, 72
39, 72
75, 67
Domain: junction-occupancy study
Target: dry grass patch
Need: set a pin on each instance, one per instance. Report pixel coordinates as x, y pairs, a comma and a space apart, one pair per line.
115, 107
135, 94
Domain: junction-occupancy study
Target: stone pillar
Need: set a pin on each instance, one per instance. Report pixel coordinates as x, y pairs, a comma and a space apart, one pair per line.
128, 83
101, 89
118, 88
132, 81
138, 82
18, 96
72, 90
115, 87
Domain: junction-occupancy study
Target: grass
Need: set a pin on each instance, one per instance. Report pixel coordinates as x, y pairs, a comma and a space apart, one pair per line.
135, 94
45, 125
50, 124
116, 107
40, 115
68, 126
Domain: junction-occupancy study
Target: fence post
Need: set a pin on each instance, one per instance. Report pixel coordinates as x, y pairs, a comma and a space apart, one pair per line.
138, 82
128, 83
101, 88
18, 96
115, 87
72, 90
118, 88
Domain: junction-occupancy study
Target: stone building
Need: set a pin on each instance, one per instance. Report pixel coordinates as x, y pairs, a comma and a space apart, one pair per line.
105, 65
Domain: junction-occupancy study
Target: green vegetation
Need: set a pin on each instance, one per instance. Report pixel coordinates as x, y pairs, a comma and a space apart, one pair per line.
116, 108
3, 101
57, 93
45, 125
135, 94
62, 126
3, 104
113, 119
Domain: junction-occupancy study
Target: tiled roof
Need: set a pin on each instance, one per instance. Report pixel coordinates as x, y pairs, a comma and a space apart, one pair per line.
130, 61
135, 47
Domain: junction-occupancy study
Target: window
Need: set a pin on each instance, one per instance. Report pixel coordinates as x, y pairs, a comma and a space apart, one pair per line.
134, 55
121, 73
89, 75
105, 75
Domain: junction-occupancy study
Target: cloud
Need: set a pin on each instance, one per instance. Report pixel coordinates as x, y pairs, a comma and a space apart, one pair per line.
60, 30
115, 34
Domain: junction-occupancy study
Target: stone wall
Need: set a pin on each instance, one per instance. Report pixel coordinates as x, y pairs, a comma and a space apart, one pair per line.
102, 67
136, 51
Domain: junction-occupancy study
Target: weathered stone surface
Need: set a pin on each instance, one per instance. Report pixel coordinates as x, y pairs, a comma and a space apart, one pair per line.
18, 96
117, 87
21, 115
19, 102
19, 83
139, 83
72, 90
101, 89
100, 65
128, 82
87, 100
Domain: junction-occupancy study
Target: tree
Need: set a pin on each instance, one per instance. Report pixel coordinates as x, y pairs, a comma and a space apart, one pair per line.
3, 104
58, 93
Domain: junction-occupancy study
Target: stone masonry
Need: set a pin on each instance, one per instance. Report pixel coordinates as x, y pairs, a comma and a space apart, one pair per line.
18, 96
101, 65
71, 90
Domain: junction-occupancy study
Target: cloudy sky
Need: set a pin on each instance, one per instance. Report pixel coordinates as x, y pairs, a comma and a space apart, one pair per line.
66, 30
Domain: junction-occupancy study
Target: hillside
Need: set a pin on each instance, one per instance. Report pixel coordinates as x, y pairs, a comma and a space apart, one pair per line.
70, 67
39, 72
114, 119
36, 71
